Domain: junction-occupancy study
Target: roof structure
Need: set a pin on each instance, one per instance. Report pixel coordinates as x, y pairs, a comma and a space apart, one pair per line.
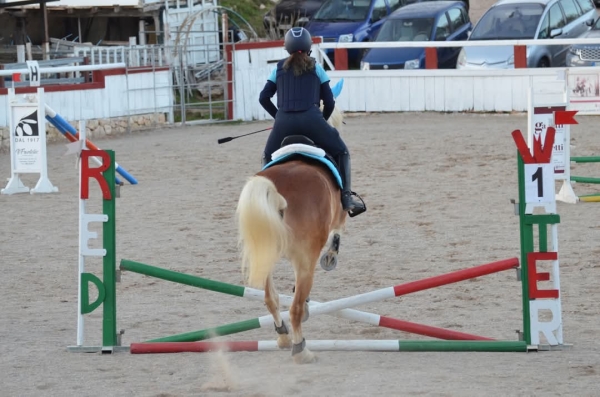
24, 3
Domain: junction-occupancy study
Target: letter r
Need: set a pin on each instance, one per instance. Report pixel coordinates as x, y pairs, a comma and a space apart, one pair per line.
96, 173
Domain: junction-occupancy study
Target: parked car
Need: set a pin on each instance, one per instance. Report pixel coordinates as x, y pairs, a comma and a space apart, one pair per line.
426, 21
350, 21
527, 19
586, 54
289, 13
407, 2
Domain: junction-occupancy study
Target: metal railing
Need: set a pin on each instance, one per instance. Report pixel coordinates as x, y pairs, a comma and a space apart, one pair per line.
133, 56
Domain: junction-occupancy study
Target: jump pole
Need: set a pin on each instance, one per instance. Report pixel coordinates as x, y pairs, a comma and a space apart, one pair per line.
585, 179
72, 135
258, 295
333, 345
73, 138
339, 304
590, 198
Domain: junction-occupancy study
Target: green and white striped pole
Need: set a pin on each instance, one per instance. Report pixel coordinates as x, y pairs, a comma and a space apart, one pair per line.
340, 305
334, 345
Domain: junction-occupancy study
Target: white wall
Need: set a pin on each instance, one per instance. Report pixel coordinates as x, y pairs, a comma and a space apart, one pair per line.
123, 95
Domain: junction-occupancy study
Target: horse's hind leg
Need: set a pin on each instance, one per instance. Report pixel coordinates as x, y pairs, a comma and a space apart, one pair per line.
272, 303
304, 280
329, 258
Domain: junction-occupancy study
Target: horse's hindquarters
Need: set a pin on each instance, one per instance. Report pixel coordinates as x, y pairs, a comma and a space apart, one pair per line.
290, 208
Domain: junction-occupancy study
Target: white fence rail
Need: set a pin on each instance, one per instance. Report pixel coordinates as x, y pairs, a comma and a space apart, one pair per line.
464, 43
62, 69
133, 56
485, 90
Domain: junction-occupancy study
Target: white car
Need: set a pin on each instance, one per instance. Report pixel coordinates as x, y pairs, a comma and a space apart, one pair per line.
527, 19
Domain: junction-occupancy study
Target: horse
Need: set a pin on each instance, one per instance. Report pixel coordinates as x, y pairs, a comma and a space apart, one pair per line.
290, 210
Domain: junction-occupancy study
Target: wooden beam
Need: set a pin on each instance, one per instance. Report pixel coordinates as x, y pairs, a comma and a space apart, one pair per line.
46, 39
19, 35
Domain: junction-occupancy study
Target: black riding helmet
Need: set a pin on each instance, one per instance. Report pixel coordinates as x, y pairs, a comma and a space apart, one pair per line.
297, 40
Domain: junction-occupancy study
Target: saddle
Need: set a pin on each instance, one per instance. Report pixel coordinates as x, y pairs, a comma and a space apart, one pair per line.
300, 146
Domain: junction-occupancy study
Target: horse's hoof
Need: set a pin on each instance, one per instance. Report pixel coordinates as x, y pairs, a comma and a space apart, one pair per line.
304, 357
284, 341
328, 262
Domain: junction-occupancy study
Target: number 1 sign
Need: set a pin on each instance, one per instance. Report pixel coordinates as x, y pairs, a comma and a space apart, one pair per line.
539, 171
539, 184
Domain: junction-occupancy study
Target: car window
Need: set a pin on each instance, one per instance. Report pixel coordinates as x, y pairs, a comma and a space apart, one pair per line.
406, 29
456, 18
466, 15
554, 20
570, 9
508, 21
557, 18
442, 29
336, 10
379, 10
586, 5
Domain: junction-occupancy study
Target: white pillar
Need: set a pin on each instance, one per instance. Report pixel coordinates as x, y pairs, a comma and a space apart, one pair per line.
142, 32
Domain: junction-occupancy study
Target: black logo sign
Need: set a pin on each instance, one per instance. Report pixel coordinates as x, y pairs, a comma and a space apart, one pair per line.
28, 126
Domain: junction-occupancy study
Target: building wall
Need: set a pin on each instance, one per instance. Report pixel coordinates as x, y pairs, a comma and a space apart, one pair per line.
125, 102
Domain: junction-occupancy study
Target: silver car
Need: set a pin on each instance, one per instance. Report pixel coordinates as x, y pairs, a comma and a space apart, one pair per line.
527, 19
586, 54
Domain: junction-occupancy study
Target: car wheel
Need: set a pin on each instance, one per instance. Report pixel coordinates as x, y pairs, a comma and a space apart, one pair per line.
543, 63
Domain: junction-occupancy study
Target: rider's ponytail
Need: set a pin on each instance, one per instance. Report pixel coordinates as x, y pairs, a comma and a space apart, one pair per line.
300, 62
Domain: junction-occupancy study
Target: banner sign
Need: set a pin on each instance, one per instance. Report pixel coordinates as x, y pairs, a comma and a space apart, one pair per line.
25, 138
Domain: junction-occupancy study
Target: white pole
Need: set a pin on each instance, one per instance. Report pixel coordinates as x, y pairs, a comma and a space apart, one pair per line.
20, 53
556, 280
63, 69
82, 245
567, 149
530, 110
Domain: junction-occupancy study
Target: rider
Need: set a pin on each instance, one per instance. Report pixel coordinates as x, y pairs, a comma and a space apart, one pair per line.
300, 84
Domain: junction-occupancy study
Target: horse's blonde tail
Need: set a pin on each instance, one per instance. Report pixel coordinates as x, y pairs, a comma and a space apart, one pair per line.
263, 235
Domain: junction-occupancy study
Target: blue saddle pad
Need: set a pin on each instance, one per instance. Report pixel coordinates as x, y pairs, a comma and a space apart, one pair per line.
323, 160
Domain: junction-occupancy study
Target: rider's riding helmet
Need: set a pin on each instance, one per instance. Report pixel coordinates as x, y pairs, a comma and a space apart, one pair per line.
297, 40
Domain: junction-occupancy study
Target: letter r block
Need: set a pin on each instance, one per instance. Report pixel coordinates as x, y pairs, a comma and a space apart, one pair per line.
96, 173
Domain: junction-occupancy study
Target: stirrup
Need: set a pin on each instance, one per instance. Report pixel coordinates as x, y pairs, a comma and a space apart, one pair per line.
357, 210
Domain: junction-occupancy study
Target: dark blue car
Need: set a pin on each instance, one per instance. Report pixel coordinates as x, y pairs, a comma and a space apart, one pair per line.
351, 21
423, 21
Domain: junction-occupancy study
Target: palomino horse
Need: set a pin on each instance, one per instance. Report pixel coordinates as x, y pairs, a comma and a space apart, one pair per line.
290, 210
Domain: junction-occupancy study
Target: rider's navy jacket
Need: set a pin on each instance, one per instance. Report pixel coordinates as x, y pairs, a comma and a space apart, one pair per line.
297, 93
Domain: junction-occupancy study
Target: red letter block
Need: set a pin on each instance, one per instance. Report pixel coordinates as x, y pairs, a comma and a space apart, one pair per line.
534, 276
96, 173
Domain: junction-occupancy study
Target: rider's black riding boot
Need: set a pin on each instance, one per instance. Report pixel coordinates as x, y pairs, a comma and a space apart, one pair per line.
350, 204
264, 161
